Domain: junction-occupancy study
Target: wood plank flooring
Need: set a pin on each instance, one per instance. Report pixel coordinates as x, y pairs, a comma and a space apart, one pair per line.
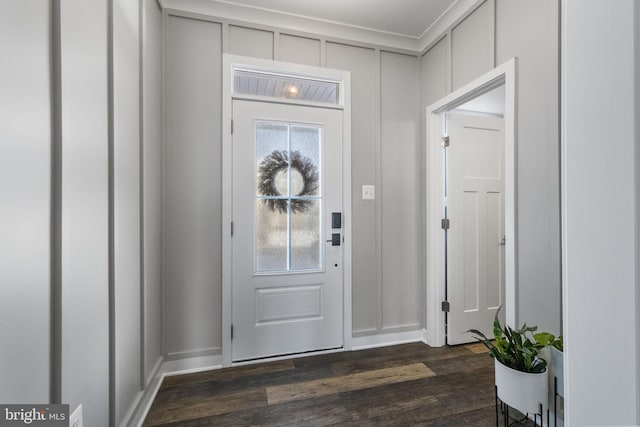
409, 384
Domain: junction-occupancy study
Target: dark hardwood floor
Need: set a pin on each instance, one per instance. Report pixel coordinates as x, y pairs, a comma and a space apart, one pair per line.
409, 384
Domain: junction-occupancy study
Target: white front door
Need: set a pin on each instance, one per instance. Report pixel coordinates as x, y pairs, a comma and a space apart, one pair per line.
475, 239
287, 284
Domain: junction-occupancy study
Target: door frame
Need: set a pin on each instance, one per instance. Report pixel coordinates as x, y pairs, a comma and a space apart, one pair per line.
504, 74
343, 78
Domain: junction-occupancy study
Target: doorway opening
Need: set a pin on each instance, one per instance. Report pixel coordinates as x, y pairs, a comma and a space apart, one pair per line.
498, 84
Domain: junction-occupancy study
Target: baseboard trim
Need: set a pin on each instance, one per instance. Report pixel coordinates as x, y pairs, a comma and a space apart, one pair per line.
165, 368
154, 371
384, 340
211, 351
146, 397
191, 365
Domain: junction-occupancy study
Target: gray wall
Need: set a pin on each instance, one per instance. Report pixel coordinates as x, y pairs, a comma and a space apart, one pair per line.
25, 191
387, 272
363, 63
98, 348
85, 198
193, 190
527, 30
472, 45
398, 195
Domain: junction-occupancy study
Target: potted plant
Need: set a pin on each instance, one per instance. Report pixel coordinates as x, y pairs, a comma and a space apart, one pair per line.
520, 373
553, 348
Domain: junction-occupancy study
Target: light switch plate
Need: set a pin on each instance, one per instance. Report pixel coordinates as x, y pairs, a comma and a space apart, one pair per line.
368, 192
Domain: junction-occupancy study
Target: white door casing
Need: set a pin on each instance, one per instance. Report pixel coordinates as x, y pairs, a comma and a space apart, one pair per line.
287, 274
475, 209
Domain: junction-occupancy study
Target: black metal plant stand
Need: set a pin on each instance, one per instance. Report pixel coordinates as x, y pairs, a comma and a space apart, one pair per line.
555, 401
506, 418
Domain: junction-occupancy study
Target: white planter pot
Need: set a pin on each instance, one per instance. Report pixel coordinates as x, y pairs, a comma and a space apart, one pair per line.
557, 369
521, 390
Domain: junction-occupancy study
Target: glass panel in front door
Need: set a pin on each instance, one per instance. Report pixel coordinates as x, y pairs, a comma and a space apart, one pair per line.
288, 208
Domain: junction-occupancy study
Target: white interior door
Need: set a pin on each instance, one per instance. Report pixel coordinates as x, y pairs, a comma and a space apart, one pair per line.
287, 283
475, 239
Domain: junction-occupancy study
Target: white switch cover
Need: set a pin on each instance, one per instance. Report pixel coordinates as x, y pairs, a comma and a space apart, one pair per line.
368, 192
75, 419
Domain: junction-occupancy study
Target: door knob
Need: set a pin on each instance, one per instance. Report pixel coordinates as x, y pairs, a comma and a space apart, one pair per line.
335, 239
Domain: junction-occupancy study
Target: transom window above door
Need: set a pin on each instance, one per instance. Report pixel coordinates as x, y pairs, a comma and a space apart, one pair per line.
271, 85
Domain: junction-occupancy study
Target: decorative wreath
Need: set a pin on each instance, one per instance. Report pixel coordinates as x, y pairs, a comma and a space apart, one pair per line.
278, 161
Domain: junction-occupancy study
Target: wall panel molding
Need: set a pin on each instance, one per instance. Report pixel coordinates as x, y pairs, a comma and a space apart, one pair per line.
56, 205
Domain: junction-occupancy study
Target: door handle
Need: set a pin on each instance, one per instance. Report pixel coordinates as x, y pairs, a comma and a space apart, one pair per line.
335, 239
503, 242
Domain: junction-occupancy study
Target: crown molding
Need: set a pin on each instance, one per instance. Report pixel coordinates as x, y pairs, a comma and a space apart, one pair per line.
235, 12
448, 20
334, 30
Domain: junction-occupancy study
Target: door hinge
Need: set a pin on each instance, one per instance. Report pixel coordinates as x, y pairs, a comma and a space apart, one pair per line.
445, 141
444, 223
231, 331
446, 307
231, 228
231, 126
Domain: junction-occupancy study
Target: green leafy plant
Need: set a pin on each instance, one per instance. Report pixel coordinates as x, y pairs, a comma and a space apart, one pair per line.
558, 343
549, 340
517, 348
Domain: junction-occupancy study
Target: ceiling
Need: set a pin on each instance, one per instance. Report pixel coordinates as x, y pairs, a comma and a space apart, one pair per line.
410, 18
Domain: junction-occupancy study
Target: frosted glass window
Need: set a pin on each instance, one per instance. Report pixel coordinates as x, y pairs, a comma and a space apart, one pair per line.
272, 237
305, 140
283, 86
288, 197
305, 238
272, 138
